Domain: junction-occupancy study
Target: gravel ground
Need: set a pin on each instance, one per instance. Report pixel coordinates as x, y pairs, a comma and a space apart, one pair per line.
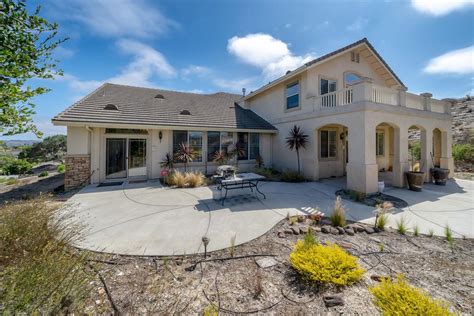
163, 285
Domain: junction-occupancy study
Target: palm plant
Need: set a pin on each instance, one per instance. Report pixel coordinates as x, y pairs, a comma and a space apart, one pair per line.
237, 151
167, 162
185, 154
297, 140
220, 157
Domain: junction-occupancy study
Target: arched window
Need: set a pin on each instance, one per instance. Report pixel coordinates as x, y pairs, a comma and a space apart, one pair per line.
350, 78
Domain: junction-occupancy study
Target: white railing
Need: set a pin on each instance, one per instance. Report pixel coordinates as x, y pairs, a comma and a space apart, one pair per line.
384, 95
333, 99
414, 101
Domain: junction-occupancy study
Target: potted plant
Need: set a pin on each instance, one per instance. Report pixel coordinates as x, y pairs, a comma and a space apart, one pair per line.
440, 175
415, 179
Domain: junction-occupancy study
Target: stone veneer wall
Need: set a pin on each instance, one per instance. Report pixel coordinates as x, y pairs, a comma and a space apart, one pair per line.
78, 169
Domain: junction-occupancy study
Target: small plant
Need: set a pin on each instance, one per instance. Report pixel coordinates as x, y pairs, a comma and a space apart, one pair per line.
268, 173
185, 154
43, 174
293, 220
256, 283
402, 225
431, 232
210, 310
220, 157
400, 298
381, 247
194, 179
259, 161
61, 168
338, 216
301, 218
310, 238
232, 246
381, 214
167, 162
448, 233
325, 264
291, 176
416, 231
177, 178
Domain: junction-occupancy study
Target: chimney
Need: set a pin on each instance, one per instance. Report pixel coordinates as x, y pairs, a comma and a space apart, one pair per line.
243, 92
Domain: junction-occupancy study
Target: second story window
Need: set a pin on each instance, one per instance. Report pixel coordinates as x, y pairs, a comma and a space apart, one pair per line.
293, 95
327, 86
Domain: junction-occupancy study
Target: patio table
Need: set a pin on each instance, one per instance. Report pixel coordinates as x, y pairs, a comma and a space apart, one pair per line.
240, 181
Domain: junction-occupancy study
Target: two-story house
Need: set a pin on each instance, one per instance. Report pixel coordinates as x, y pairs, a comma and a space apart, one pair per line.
354, 108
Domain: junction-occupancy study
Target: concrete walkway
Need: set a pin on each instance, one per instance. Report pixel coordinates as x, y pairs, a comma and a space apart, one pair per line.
147, 219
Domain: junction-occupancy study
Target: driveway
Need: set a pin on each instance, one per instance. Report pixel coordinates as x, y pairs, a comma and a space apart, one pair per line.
148, 219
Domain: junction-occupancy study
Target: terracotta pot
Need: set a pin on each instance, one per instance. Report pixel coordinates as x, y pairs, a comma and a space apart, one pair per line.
415, 180
440, 175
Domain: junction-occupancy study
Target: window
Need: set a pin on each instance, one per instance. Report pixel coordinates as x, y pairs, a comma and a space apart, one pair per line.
195, 144
327, 86
351, 78
125, 131
254, 146
293, 95
355, 57
192, 139
380, 143
328, 144
243, 142
218, 141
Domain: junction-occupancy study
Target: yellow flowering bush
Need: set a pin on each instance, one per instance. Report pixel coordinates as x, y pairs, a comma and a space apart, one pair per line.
325, 264
400, 298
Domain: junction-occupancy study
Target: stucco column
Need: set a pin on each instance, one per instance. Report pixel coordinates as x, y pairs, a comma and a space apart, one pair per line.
400, 156
446, 159
362, 169
315, 174
402, 96
427, 101
362, 90
426, 149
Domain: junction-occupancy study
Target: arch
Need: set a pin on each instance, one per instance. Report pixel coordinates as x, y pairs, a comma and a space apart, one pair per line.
331, 149
111, 107
387, 151
351, 77
437, 147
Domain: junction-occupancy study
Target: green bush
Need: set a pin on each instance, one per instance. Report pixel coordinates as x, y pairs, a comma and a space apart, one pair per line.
325, 264
291, 176
43, 174
10, 165
61, 168
399, 298
463, 152
269, 173
39, 272
415, 150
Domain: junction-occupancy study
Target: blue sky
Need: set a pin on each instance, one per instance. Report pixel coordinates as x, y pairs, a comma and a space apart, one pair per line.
207, 46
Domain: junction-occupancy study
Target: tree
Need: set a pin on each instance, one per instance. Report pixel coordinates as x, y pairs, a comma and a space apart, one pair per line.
51, 148
297, 140
27, 42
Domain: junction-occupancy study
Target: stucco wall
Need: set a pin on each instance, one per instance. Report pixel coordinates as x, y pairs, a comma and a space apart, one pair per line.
77, 141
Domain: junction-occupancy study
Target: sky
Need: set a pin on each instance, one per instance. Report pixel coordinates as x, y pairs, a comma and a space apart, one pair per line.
207, 46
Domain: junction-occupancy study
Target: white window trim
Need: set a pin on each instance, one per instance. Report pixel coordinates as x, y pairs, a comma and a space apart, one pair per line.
329, 129
286, 109
326, 78
248, 145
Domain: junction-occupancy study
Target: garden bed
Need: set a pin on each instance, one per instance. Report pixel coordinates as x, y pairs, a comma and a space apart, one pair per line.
372, 199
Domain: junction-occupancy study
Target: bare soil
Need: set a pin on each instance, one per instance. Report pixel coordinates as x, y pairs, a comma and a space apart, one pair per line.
164, 285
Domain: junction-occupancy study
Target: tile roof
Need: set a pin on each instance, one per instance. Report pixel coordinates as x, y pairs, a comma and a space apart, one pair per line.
146, 106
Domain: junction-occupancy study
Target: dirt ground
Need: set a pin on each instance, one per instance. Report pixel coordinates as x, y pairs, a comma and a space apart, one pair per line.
167, 285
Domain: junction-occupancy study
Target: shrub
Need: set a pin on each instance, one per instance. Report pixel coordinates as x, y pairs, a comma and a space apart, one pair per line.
43, 174
402, 225
463, 152
338, 216
39, 272
10, 165
61, 168
399, 298
269, 173
177, 178
325, 264
291, 176
194, 179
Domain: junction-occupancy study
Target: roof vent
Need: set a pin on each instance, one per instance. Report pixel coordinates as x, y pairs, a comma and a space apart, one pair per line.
159, 96
287, 72
185, 112
111, 107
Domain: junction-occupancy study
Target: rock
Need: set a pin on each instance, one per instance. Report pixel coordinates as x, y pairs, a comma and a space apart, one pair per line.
288, 231
375, 240
349, 231
326, 229
295, 230
281, 234
304, 230
369, 230
333, 300
317, 229
375, 277
344, 244
301, 218
341, 230
266, 262
334, 231
360, 228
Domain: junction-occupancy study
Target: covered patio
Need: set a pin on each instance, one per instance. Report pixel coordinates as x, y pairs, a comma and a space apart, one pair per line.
148, 219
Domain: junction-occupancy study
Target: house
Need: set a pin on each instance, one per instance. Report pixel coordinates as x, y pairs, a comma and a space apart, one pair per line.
355, 110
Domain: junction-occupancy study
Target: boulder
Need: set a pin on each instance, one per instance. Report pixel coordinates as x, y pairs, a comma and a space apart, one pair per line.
295, 230
369, 230
334, 231
281, 234
360, 228
333, 300
303, 230
326, 229
341, 230
349, 231
266, 262
317, 229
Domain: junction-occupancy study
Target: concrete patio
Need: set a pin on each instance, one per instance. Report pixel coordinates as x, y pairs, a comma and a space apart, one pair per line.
148, 219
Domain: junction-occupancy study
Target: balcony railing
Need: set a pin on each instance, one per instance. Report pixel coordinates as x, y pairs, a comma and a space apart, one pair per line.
367, 91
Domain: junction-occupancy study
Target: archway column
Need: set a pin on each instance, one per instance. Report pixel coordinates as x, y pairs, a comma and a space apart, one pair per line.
362, 169
316, 155
400, 156
446, 160
426, 150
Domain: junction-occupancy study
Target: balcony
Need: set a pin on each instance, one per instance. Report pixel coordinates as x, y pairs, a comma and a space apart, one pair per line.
366, 91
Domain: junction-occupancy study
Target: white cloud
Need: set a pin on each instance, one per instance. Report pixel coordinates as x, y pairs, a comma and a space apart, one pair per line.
269, 54
138, 18
288, 25
440, 7
234, 85
459, 61
358, 25
193, 70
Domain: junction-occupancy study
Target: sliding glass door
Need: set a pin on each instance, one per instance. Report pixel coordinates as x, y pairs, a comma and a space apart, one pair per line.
125, 157
136, 157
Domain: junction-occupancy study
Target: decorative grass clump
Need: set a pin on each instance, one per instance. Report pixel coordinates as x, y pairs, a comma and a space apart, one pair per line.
186, 179
402, 226
194, 179
177, 178
399, 298
325, 264
338, 216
